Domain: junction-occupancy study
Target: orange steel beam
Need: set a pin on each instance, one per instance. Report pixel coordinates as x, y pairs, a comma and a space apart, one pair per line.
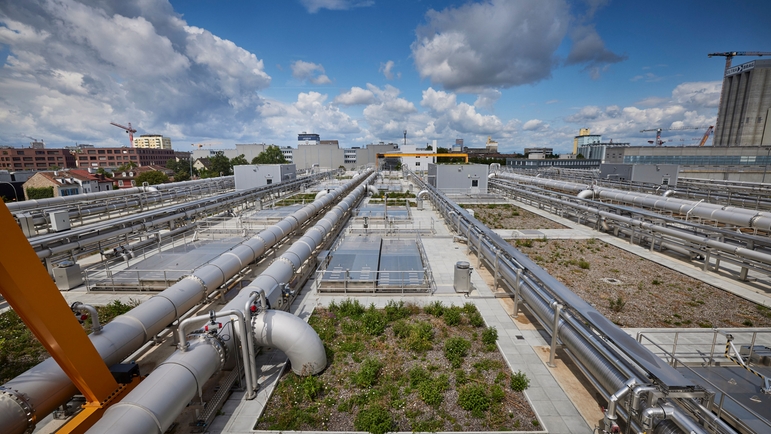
395, 155
92, 412
28, 288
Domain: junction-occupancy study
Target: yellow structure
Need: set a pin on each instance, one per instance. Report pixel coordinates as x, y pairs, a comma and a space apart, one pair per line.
399, 155
581, 132
152, 141
30, 291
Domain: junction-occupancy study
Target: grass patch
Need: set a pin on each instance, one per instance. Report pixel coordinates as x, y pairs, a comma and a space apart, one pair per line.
428, 370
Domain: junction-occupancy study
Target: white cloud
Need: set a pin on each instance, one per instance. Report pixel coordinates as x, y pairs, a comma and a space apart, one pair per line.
314, 6
309, 71
74, 67
498, 43
698, 93
534, 125
387, 70
487, 99
460, 117
355, 96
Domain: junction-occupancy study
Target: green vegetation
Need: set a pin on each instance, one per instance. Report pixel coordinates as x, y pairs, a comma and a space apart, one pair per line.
519, 381
271, 155
617, 304
387, 373
19, 348
40, 192
152, 177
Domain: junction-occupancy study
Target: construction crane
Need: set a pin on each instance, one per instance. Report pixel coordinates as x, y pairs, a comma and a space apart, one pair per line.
730, 55
127, 129
706, 135
658, 131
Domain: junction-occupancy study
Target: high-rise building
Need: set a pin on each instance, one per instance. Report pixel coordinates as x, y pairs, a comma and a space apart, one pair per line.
152, 141
745, 106
585, 138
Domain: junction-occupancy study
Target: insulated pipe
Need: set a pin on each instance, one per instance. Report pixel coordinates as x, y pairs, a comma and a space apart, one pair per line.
724, 214
372, 189
593, 355
43, 388
272, 328
686, 236
89, 197
610, 413
586, 194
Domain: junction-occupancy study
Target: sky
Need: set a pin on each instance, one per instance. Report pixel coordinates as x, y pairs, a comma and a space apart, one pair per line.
528, 73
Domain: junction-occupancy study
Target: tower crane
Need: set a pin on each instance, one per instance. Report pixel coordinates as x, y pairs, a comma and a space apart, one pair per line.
127, 129
658, 131
706, 135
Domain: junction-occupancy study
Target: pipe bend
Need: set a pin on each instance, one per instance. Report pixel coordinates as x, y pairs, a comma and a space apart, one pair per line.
293, 336
585, 194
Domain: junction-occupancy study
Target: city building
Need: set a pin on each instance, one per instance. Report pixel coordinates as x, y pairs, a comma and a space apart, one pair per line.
152, 141
745, 106
544, 151
418, 163
93, 157
491, 145
62, 183
458, 178
16, 159
734, 163
571, 163
259, 175
657, 174
602, 151
127, 178
305, 139
583, 138
458, 146
91, 182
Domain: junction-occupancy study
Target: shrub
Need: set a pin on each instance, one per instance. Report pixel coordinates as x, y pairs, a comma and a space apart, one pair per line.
519, 381
470, 309
436, 309
420, 337
311, 387
474, 398
455, 349
348, 308
375, 419
460, 377
395, 311
476, 320
489, 337
618, 304
374, 321
452, 316
40, 192
584, 265
368, 373
418, 375
524, 243
432, 390
401, 329
497, 394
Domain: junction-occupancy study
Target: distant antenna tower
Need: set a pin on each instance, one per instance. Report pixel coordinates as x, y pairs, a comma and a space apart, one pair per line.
405, 137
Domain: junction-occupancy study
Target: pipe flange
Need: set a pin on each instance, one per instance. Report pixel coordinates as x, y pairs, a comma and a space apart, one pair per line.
23, 401
219, 346
197, 279
286, 260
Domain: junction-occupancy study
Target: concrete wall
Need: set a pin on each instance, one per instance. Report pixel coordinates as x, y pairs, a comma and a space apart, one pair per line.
660, 174
745, 101
251, 176
459, 178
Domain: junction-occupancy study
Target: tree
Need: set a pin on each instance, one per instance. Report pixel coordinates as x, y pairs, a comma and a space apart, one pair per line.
271, 155
182, 175
127, 166
175, 165
152, 177
580, 157
429, 148
220, 164
103, 172
239, 161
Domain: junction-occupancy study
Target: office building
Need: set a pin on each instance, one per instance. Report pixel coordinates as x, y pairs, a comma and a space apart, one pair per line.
745, 106
152, 141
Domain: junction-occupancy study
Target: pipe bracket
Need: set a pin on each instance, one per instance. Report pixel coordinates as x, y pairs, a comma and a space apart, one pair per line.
23, 402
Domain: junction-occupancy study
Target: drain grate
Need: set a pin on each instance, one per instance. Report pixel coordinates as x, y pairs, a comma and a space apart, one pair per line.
612, 281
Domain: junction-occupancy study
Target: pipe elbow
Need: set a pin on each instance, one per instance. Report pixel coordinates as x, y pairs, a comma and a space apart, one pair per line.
422, 194
585, 194
293, 336
668, 193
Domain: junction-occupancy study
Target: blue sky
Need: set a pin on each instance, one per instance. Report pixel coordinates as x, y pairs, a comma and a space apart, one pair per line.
527, 73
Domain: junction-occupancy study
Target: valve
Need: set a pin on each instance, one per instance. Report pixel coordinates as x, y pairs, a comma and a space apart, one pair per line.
212, 327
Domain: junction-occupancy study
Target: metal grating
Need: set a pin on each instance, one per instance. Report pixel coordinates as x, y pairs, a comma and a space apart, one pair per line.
400, 264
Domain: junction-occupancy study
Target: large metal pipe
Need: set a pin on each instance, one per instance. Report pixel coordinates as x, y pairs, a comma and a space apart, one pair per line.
736, 216
272, 328
44, 387
609, 371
